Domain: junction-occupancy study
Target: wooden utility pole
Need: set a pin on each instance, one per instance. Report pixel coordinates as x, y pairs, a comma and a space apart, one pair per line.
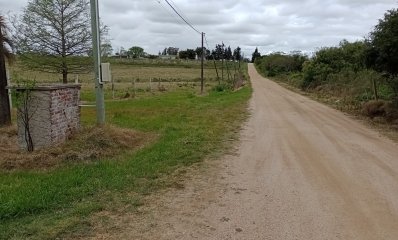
202, 59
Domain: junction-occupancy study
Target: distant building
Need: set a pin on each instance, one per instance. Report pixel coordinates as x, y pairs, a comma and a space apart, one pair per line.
168, 57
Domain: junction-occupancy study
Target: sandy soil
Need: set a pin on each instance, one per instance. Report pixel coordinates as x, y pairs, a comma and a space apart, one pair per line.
301, 171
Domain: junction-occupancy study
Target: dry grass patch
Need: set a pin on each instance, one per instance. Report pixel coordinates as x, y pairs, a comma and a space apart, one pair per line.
90, 144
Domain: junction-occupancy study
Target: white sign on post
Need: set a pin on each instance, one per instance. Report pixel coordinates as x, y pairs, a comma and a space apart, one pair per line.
106, 72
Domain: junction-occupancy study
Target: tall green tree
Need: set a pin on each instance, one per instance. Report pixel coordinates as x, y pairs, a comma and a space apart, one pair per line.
255, 55
219, 52
237, 54
187, 54
228, 53
135, 52
382, 51
198, 51
53, 35
172, 51
5, 53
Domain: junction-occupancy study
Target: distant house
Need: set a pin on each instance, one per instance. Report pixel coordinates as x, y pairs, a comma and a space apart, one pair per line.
168, 57
120, 55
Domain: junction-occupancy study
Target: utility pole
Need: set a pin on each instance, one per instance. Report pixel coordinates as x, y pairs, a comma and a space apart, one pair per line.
202, 59
99, 87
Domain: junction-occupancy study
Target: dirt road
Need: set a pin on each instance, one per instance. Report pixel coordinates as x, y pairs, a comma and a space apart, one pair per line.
301, 171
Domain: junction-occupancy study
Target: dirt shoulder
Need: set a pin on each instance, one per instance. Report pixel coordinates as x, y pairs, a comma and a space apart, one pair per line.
301, 170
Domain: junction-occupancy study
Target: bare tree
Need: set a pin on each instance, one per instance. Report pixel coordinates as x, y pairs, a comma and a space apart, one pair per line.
106, 49
54, 35
5, 53
26, 111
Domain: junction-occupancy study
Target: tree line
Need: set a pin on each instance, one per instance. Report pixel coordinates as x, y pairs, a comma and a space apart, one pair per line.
359, 71
218, 53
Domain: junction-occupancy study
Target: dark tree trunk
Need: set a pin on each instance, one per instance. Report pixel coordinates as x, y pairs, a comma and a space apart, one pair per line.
64, 76
5, 114
63, 45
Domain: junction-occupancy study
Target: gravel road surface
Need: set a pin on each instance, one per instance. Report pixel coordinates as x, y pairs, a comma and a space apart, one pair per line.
301, 170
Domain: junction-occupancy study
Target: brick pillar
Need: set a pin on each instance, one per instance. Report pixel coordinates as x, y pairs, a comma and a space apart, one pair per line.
55, 115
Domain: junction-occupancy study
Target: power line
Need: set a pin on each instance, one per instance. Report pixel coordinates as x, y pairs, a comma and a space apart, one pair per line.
190, 25
167, 10
178, 9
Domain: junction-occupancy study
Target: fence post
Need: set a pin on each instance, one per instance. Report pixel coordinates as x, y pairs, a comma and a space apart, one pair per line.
9, 90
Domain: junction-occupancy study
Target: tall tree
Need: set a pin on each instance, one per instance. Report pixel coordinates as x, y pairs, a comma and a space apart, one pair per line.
106, 49
382, 51
172, 51
5, 53
255, 55
237, 54
122, 52
199, 52
135, 52
219, 52
53, 35
187, 54
228, 53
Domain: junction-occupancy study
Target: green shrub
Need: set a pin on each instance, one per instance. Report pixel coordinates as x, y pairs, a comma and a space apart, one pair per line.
222, 87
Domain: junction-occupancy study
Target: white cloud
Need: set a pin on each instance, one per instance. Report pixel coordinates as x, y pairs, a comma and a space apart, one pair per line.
272, 25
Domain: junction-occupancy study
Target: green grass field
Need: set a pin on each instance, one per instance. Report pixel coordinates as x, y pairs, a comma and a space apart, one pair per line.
128, 70
56, 203
137, 77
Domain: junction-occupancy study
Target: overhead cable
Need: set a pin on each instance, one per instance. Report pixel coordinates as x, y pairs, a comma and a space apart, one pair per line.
190, 25
167, 10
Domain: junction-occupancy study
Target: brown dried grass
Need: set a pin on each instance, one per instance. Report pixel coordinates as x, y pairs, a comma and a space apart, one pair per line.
90, 144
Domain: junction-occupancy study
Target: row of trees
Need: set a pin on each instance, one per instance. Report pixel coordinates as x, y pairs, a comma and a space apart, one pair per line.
330, 61
170, 51
280, 63
381, 53
219, 53
346, 63
188, 54
226, 53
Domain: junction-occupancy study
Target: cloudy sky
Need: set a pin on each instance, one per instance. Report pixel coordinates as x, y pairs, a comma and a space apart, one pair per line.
270, 25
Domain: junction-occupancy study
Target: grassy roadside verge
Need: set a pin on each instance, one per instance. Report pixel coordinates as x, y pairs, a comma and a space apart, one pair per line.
49, 204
